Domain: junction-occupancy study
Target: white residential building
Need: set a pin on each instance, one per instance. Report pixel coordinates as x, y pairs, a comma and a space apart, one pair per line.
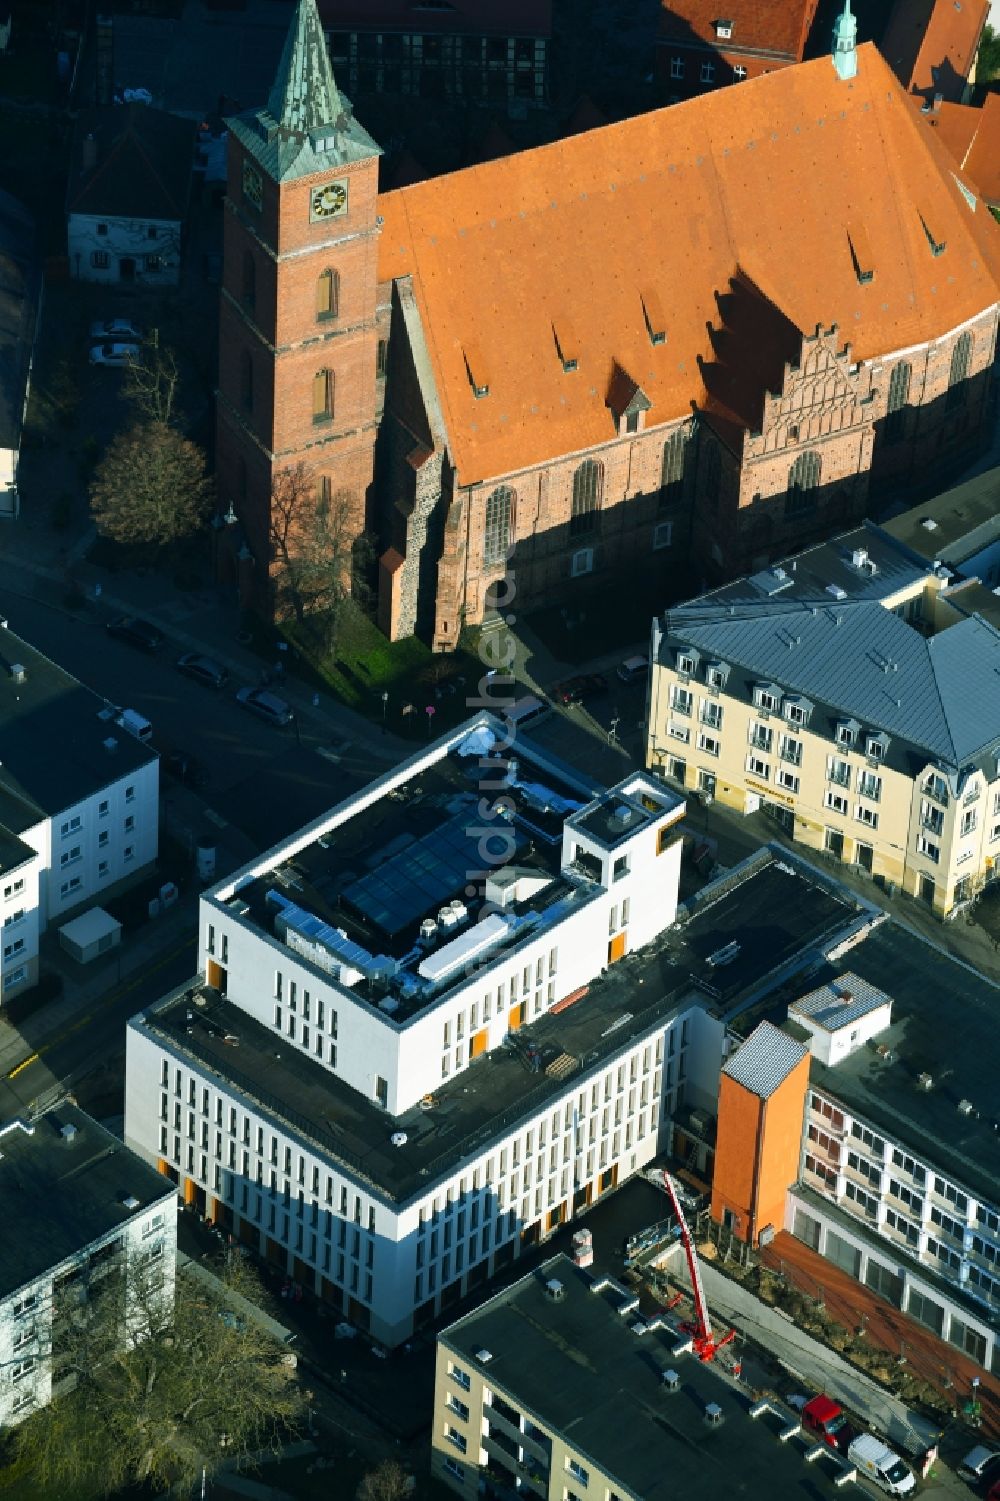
129, 185
443, 1019
79, 803
77, 1205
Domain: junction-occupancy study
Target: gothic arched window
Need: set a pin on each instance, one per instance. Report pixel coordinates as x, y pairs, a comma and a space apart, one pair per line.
588, 486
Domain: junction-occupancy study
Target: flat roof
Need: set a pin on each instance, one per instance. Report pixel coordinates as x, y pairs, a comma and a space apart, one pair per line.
59, 1196
54, 750
770, 913
952, 526
388, 890
577, 1368
944, 1025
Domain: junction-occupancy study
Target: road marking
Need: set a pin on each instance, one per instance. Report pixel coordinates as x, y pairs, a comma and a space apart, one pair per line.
22, 1065
115, 995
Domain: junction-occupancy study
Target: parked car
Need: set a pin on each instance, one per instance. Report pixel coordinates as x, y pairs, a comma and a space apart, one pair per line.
585, 685
880, 1464
136, 631
266, 705
202, 669
121, 329
633, 669
525, 711
981, 1468
117, 355
825, 1418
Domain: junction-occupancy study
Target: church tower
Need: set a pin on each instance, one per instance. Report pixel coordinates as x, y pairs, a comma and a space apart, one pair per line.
297, 334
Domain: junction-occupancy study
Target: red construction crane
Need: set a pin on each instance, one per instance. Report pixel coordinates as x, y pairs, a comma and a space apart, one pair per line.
703, 1341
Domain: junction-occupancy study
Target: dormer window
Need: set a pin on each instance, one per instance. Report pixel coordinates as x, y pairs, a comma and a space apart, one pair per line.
687, 662
876, 747
717, 674
724, 30
767, 697
797, 710
847, 731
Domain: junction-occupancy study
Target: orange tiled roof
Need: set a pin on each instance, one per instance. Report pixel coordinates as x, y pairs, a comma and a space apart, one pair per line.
764, 178
983, 161
772, 25
972, 136
930, 44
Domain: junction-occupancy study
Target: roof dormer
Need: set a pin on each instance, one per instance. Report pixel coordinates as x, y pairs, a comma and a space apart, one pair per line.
627, 402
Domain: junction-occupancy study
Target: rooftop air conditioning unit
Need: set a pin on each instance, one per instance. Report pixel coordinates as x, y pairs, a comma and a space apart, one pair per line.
555, 1290
130, 1201
926, 1081
671, 1381
966, 1108
18, 672
484, 1356
713, 1413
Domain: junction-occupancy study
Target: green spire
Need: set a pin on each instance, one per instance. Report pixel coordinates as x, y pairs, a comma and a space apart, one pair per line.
304, 96
845, 39
307, 125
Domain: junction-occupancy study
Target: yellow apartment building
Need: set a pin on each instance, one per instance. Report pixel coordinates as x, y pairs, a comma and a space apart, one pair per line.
853, 695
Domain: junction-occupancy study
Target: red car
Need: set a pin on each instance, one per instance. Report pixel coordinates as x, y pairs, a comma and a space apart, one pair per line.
577, 690
825, 1418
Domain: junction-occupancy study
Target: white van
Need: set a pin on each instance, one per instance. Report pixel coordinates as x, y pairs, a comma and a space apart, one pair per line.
525, 711
871, 1457
134, 723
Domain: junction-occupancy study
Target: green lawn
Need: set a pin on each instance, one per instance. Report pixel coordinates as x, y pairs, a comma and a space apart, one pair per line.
364, 666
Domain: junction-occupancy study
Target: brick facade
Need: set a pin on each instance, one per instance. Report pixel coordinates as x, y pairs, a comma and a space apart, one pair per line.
274, 339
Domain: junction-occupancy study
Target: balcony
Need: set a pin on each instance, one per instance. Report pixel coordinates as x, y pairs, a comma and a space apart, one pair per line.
532, 1475
536, 1446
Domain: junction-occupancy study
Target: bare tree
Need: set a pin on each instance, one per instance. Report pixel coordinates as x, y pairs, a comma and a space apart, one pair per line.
151, 383
387, 1482
161, 1388
318, 552
151, 486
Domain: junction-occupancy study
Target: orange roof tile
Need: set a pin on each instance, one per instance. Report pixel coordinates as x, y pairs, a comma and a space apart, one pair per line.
931, 44
765, 178
768, 25
982, 164
972, 136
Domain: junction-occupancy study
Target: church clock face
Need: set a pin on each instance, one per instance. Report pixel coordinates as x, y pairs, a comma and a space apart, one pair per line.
252, 191
328, 202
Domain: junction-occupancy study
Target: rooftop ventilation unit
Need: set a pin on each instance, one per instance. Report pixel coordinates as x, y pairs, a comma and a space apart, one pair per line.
554, 1290
68, 1133
484, 1356
110, 745
713, 1413
18, 672
836, 591
929, 524
428, 930
966, 1108
130, 1201
926, 1081
671, 1381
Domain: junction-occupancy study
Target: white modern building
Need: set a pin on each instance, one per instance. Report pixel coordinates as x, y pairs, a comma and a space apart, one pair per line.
79, 803
445, 1018
78, 1205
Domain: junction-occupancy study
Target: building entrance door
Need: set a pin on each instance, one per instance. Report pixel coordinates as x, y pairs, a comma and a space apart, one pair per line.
927, 889
865, 856
126, 268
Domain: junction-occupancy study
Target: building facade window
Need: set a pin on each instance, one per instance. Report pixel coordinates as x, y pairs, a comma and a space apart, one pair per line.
499, 518
961, 358
803, 482
328, 294
672, 470
323, 395
246, 380
588, 486
899, 395
677, 67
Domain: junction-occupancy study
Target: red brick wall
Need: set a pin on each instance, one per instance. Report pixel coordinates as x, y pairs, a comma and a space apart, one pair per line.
288, 344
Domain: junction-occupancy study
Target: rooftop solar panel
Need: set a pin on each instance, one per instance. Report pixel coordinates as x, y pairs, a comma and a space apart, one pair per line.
432, 869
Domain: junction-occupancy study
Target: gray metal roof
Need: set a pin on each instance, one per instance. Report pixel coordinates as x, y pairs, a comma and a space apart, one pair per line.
839, 1003
941, 694
307, 126
765, 1060
953, 526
